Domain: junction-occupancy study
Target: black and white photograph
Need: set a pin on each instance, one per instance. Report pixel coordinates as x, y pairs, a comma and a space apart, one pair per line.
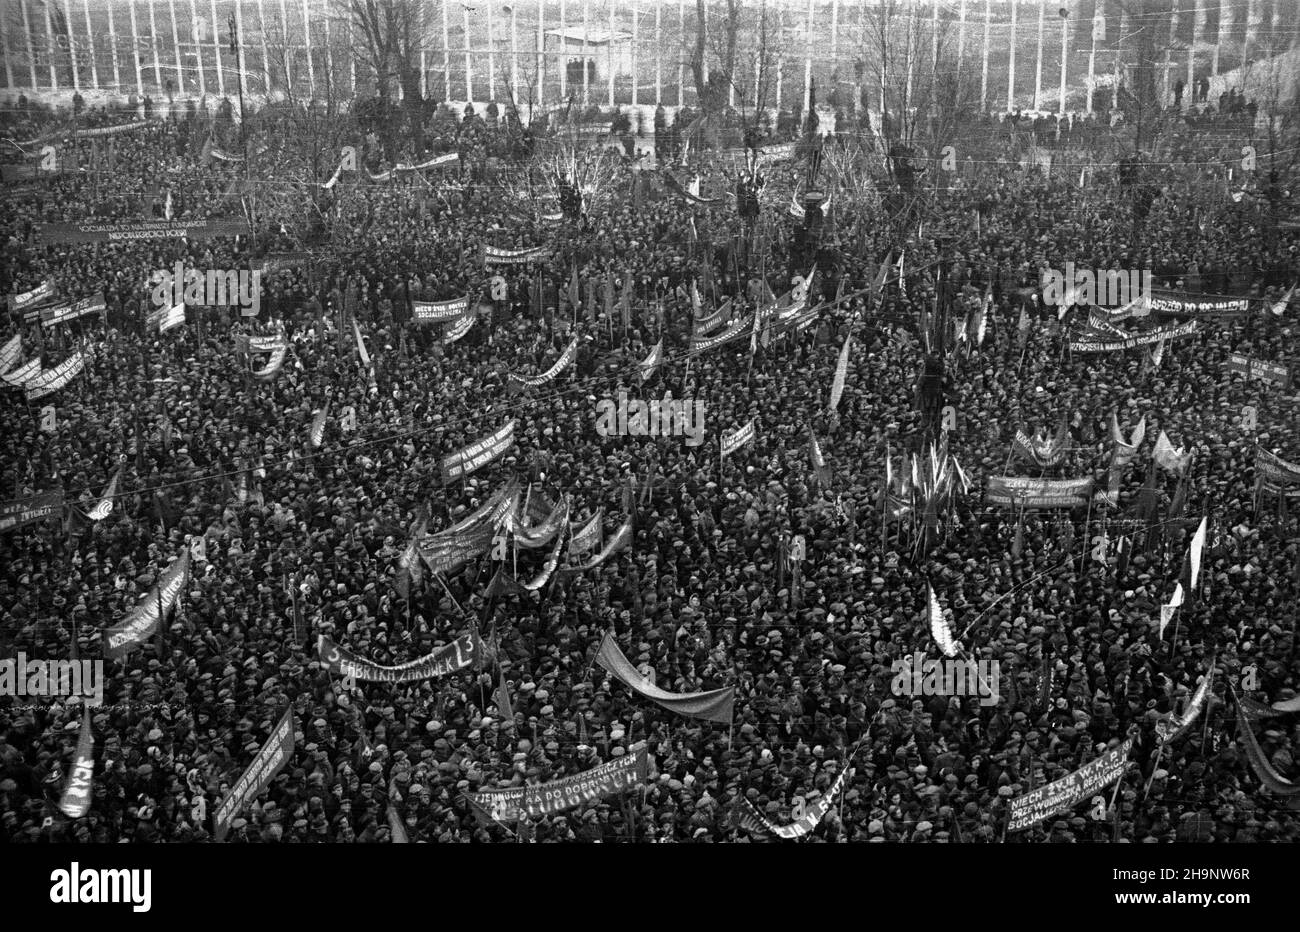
650, 422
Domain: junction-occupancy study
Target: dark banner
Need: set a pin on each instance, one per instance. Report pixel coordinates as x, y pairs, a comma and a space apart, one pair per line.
1260, 369
270, 760
494, 256
129, 230
34, 298
143, 622
1173, 302
26, 510
1275, 471
439, 311
479, 453
1145, 338
95, 304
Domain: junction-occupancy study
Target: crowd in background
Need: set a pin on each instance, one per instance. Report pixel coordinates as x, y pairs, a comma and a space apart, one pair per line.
304, 540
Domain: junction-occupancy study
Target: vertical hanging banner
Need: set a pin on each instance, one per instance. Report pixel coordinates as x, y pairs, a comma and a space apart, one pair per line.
479, 453
75, 801
736, 439
270, 760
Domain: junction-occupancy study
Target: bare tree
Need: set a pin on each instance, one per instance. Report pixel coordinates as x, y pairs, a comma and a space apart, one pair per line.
388, 36
910, 60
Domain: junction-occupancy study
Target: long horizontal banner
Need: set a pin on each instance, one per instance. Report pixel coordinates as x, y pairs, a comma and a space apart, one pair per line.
270, 760
546, 799
48, 381
494, 256
143, 621
439, 311
1173, 302
706, 325
51, 316
1138, 339
1259, 369
450, 158
1037, 493
713, 705
622, 537
29, 299
734, 330
1275, 471
26, 510
479, 453
18, 377
10, 352
442, 661
537, 381
540, 534
448, 551
98, 131
266, 344
275, 261
128, 230
1062, 794
754, 821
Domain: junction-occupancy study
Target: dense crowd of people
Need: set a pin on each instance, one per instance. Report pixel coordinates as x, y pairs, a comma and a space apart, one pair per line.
305, 540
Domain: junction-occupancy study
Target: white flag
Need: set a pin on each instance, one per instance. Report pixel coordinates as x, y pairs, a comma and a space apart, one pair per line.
841, 373
1198, 544
939, 628
1279, 308
1167, 610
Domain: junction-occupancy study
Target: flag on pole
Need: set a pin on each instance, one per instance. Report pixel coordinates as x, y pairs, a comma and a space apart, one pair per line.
575, 296
1167, 610
841, 373
75, 801
940, 630
318, 425
361, 344
502, 697
1198, 544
